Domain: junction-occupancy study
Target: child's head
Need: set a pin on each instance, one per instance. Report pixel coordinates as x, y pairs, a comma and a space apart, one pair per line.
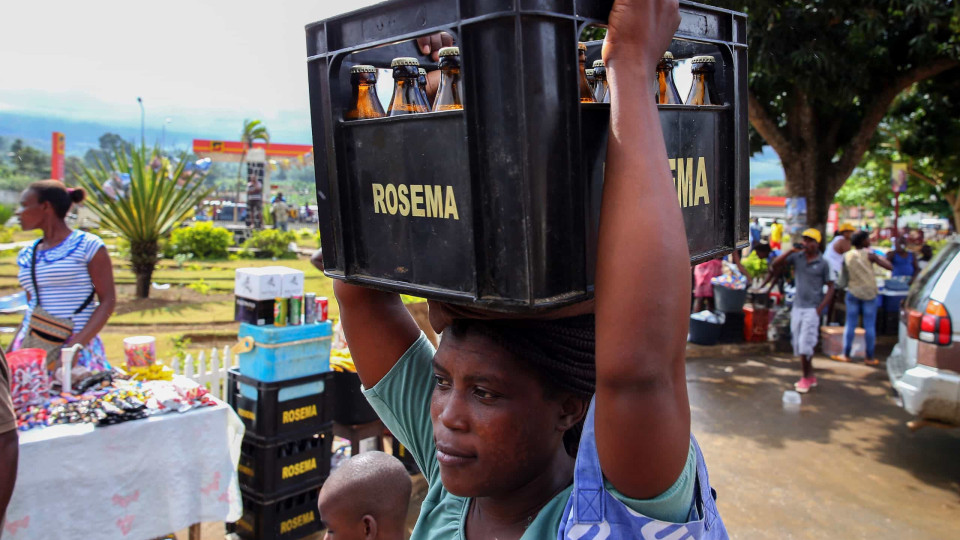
366, 498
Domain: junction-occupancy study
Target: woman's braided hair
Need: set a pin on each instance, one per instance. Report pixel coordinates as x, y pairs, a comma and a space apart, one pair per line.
561, 351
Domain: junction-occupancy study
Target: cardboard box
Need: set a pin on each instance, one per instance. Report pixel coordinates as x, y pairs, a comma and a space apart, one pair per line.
257, 283
255, 312
291, 281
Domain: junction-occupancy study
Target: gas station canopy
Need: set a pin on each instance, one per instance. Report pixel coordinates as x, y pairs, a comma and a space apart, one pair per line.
231, 151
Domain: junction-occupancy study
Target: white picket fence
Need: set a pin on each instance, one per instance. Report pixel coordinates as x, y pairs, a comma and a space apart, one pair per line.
207, 368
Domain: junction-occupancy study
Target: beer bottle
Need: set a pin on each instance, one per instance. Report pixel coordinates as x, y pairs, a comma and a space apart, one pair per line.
422, 86
406, 92
667, 93
701, 91
602, 93
586, 95
450, 92
366, 104
591, 80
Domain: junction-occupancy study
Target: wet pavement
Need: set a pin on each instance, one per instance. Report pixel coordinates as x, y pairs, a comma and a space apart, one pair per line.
844, 466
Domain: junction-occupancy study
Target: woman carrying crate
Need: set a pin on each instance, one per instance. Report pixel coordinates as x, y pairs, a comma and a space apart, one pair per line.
494, 416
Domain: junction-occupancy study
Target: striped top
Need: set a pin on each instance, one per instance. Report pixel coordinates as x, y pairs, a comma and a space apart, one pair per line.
62, 276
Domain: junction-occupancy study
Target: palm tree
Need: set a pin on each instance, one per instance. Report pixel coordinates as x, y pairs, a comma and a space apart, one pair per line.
253, 130
159, 196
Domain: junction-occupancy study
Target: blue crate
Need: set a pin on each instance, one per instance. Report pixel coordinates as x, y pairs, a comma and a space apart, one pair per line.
282, 353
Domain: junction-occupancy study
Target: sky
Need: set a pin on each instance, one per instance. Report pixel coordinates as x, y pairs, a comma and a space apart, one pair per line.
201, 67
204, 65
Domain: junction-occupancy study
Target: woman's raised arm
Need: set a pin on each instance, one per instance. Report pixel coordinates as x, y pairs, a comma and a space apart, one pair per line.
643, 269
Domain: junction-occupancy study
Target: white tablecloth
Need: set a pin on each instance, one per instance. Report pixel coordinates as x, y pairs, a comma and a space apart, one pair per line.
136, 480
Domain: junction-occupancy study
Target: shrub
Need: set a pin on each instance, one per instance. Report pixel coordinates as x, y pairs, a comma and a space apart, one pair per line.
305, 233
6, 212
6, 235
202, 240
200, 286
271, 243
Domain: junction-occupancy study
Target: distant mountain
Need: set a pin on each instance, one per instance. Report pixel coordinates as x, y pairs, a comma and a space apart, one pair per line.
84, 135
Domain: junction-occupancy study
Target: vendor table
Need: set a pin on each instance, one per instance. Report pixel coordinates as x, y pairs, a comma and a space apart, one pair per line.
139, 479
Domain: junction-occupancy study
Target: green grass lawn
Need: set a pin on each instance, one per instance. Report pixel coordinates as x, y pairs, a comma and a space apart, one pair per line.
210, 311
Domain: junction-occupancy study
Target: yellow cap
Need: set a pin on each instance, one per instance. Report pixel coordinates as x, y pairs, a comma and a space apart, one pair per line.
363, 68
598, 63
705, 59
812, 234
589, 71
422, 71
667, 56
404, 61
846, 227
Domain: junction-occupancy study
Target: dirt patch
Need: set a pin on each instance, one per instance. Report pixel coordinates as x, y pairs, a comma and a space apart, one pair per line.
160, 299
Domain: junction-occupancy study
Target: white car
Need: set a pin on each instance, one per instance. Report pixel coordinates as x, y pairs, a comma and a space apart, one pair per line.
924, 366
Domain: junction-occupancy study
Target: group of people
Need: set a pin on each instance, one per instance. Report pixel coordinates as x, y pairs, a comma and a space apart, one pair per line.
847, 263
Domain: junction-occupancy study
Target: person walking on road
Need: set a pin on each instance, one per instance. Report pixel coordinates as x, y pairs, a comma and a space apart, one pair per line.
281, 213
776, 234
811, 274
755, 231
861, 285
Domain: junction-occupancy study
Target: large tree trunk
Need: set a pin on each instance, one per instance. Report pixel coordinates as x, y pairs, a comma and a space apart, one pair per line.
143, 259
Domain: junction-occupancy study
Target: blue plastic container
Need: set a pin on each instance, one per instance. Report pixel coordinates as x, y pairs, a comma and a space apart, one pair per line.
282, 353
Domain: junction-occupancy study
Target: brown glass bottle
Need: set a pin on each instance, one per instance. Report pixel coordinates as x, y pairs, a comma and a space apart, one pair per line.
667, 93
365, 103
406, 90
450, 93
591, 80
586, 94
702, 91
422, 86
602, 89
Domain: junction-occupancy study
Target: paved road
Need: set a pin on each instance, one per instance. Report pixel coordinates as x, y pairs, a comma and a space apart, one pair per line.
844, 466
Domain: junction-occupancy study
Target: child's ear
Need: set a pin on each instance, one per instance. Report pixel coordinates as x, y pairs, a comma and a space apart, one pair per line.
369, 527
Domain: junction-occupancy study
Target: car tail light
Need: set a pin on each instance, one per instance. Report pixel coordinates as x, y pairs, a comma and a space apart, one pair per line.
933, 325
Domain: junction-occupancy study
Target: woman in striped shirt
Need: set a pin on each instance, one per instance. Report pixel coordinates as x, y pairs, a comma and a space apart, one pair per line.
71, 266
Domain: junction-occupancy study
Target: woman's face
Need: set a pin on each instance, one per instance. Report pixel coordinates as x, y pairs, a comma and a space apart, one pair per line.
494, 428
31, 212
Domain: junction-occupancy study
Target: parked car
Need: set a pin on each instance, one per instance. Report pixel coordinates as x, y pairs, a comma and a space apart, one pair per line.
924, 367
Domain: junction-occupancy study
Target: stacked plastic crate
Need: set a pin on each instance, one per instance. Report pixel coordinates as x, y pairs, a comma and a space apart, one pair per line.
282, 392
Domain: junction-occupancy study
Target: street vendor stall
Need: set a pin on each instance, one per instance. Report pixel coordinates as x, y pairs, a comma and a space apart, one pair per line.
128, 459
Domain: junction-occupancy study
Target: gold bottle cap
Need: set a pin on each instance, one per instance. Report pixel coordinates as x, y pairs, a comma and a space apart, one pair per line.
582, 46
362, 68
449, 51
404, 61
703, 60
669, 56
422, 71
590, 72
598, 63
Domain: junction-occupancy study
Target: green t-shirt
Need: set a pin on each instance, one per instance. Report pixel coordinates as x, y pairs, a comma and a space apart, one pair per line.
402, 399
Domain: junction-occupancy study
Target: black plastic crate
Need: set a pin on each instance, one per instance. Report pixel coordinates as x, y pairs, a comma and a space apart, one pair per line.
731, 331
287, 466
523, 160
350, 407
267, 418
285, 518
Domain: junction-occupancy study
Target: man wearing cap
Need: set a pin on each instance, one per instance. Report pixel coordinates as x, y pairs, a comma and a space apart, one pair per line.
811, 273
837, 247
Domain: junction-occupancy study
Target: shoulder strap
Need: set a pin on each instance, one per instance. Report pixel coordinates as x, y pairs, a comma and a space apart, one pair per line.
588, 502
36, 289
33, 269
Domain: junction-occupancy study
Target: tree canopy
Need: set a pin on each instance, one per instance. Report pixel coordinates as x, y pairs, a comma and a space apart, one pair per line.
824, 73
921, 130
